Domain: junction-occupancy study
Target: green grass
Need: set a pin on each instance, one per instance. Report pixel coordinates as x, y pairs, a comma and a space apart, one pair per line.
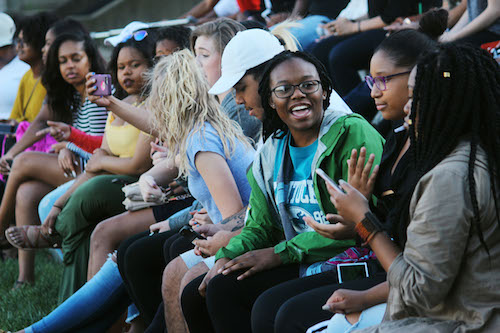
21, 307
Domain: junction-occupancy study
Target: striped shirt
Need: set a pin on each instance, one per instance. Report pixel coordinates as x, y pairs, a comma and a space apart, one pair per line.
90, 118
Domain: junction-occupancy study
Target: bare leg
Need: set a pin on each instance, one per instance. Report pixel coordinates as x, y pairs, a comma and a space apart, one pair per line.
192, 274
108, 235
28, 195
172, 277
28, 166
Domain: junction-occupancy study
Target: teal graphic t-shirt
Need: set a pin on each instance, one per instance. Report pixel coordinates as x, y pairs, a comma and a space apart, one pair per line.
300, 197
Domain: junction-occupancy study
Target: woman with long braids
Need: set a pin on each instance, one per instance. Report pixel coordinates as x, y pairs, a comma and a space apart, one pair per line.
276, 245
295, 305
446, 278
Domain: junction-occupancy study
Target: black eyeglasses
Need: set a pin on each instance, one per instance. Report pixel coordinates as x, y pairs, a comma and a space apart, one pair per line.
287, 90
381, 81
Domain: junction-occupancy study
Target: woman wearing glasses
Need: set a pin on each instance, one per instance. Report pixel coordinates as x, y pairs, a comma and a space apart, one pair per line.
299, 307
276, 245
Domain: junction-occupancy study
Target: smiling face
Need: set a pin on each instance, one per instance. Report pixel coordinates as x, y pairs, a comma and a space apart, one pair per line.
208, 57
302, 113
131, 66
247, 93
73, 62
391, 101
49, 39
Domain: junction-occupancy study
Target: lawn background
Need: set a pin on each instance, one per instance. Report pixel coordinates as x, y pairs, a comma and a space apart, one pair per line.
22, 307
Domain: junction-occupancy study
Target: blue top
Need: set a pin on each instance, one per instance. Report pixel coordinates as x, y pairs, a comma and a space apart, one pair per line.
207, 140
300, 199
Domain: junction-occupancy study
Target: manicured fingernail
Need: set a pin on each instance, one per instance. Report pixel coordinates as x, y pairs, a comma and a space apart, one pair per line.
73, 173
325, 307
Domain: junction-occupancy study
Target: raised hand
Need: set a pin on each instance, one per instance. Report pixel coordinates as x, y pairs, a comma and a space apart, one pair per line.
359, 172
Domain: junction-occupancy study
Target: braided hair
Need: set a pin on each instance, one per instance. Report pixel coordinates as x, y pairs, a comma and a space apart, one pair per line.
273, 125
456, 96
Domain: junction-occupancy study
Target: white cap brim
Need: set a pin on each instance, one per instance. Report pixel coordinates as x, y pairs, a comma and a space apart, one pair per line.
5, 42
226, 82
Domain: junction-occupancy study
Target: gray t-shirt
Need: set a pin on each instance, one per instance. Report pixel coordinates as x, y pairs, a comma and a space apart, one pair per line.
476, 7
252, 127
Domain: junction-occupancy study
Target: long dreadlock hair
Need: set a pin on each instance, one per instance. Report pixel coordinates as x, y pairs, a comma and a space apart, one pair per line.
456, 96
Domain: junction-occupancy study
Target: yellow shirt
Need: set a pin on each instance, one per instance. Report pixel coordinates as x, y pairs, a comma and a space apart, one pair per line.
23, 101
121, 139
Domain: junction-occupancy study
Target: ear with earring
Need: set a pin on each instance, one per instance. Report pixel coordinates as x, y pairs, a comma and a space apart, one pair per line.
272, 105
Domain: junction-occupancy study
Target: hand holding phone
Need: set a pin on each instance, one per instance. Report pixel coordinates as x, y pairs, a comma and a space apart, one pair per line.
190, 234
103, 84
330, 181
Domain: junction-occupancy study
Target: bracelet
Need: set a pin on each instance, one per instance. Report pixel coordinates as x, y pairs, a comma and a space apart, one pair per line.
368, 240
359, 26
362, 231
367, 228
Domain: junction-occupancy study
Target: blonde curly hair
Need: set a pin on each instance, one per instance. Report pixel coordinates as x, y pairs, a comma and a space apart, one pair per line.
180, 105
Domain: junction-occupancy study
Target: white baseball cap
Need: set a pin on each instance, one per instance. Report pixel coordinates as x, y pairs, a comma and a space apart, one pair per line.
244, 51
126, 32
7, 29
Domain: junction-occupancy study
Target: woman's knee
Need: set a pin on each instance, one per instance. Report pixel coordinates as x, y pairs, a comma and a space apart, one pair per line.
222, 285
23, 164
103, 234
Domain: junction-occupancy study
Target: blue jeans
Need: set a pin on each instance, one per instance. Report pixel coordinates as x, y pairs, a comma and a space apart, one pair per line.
307, 34
48, 201
93, 308
369, 317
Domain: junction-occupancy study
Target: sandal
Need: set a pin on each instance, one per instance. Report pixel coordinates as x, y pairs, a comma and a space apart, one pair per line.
18, 284
30, 237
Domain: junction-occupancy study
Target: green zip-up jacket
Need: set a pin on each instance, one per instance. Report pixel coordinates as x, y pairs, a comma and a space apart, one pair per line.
339, 135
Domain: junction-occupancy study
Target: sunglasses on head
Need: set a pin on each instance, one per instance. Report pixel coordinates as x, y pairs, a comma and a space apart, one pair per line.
138, 36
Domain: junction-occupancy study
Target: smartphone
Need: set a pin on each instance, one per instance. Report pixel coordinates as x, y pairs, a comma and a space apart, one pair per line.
103, 84
352, 271
188, 233
330, 181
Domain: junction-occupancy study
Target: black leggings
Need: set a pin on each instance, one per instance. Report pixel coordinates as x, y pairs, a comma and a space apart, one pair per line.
229, 302
141, 261
295, 305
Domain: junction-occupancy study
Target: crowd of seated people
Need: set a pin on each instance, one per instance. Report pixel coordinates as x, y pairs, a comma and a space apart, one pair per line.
232, 176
